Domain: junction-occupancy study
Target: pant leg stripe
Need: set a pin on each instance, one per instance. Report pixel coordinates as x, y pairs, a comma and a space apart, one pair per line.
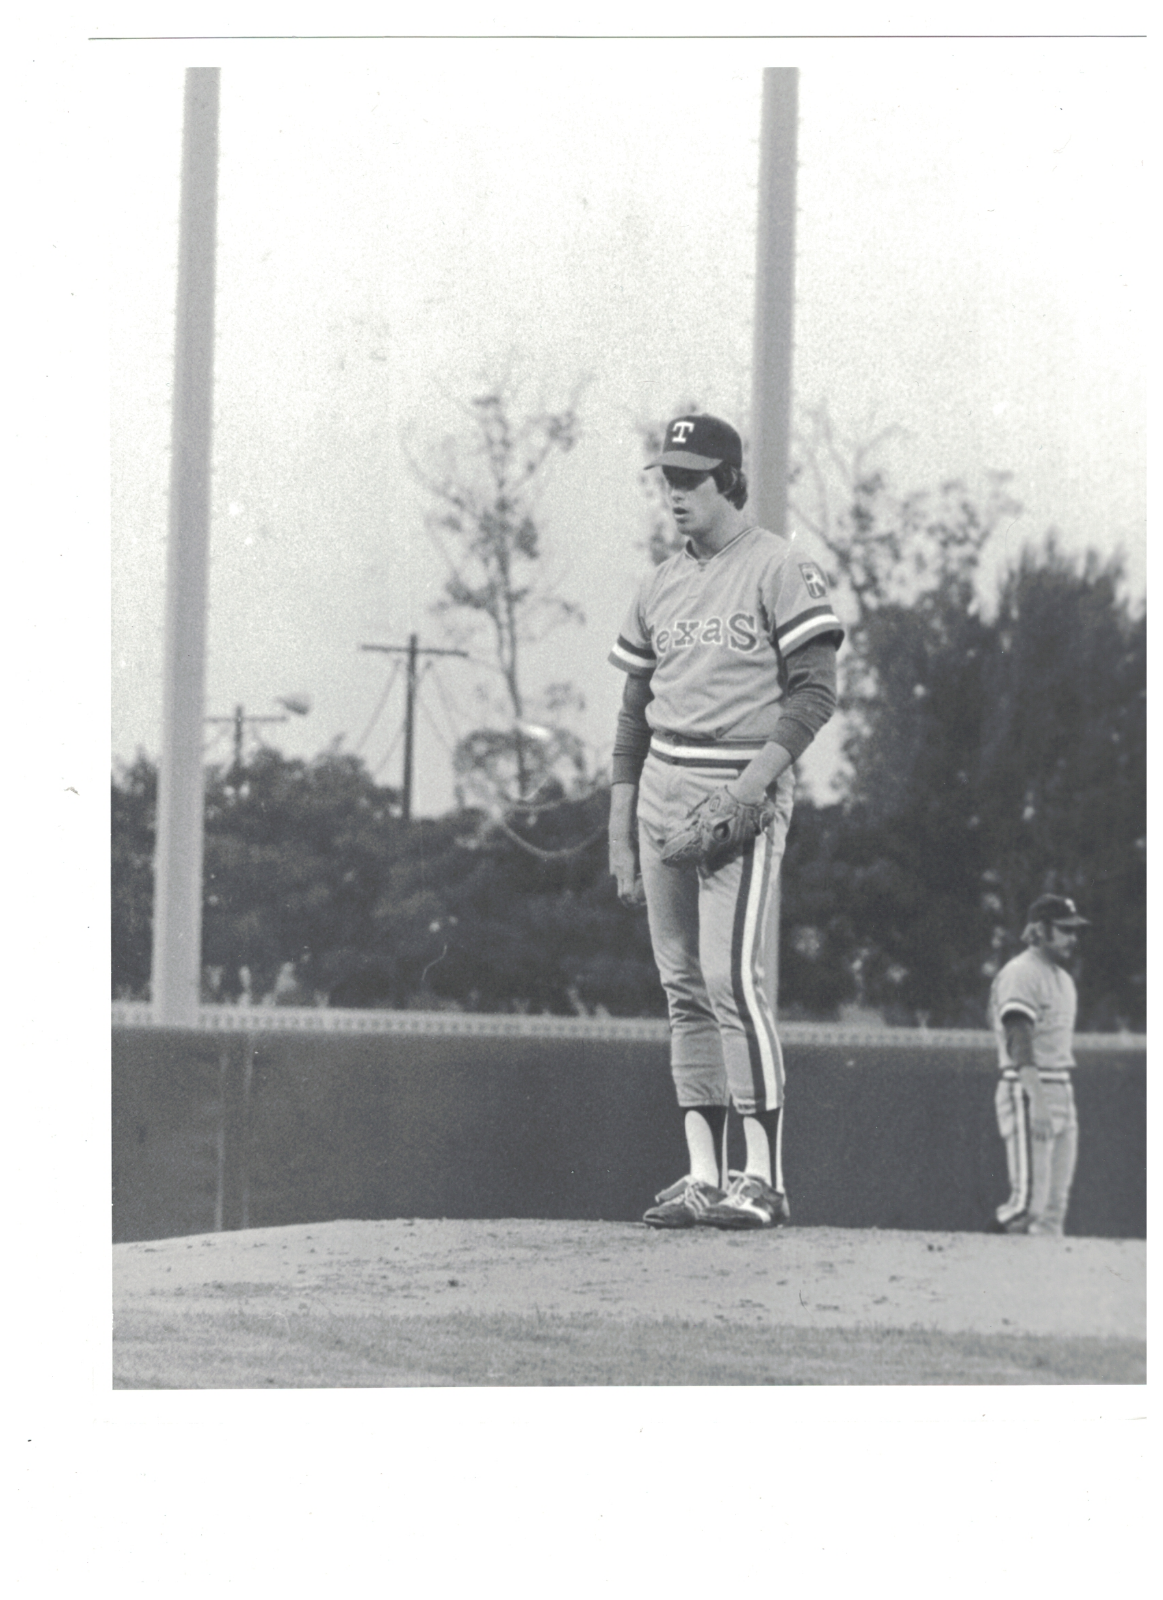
1019, 1143
1027, 1146
759, 984
738, 961
1019, 1159
756, 973
746, 952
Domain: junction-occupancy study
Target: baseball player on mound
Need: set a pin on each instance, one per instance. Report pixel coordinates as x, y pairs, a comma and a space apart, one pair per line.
1032, 1006
729, 651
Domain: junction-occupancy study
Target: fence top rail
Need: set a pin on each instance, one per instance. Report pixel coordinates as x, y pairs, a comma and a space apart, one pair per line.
326, 1019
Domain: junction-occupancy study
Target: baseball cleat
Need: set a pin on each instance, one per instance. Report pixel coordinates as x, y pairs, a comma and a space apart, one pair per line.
1047, 1230
749, 1203
683, 1205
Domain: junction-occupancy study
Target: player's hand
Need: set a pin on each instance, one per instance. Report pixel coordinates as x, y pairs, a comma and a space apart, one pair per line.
624, 871
1040, 1125
747, 794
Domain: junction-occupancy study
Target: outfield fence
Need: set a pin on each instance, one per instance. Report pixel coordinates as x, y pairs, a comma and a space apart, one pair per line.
269, 1115
519, 1025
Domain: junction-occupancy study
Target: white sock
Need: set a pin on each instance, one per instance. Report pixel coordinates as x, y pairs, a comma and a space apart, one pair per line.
700, 1143
758, 1149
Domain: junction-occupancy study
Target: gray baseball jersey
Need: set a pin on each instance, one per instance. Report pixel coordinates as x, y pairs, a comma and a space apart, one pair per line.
713, 636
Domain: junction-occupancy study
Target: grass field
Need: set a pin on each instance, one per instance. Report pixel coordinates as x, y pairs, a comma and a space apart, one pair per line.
527, 1303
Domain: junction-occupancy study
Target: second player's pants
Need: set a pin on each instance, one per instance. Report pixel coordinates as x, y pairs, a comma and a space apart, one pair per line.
1040, 1170
712, 940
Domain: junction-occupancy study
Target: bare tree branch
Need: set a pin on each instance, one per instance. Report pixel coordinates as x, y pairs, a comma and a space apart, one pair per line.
485, 485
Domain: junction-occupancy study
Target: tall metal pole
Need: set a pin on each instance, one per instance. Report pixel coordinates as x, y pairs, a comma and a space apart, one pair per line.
771, 363
177, 911
409, 727
771, 366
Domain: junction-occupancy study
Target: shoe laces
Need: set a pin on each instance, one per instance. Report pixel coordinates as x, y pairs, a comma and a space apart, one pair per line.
679, 1189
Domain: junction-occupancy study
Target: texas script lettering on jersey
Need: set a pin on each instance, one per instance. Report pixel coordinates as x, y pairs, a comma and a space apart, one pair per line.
739, 632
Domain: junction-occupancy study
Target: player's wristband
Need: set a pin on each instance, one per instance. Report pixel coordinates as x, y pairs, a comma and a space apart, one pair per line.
626, 768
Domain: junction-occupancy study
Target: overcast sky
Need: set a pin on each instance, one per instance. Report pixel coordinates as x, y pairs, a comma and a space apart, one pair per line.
399, 221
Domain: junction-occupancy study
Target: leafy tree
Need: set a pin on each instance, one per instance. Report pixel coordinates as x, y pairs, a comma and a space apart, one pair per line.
295, 855
1063, 763
316, 890
907, 841
294, 860
816, 973
912, 837
133, 813
501, 928
990, 761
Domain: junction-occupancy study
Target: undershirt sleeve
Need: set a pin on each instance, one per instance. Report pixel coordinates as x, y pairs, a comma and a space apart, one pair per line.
632, 735
810, 697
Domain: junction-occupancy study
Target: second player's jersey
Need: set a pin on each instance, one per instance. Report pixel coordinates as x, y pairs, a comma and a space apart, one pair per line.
713, 635
1033, 986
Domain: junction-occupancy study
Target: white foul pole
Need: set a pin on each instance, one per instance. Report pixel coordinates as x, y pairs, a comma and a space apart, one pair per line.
177, 906
771, 359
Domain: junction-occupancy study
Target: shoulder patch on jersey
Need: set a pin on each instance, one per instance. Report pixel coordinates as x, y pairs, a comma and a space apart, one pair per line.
813, 580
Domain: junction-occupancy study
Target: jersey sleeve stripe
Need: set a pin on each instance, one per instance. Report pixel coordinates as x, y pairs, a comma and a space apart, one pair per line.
808, 625
1021, 1008
632, 658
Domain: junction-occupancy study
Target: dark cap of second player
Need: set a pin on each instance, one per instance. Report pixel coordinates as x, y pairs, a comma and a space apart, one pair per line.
1058, 909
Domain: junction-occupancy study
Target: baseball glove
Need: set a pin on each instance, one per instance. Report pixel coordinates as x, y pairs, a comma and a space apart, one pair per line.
716, 828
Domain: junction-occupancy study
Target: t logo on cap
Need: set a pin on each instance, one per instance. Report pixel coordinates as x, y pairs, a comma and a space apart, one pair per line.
700, 443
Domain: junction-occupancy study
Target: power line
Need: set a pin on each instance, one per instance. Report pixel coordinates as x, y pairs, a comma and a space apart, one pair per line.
212, 745
453, 720
436, 729
380, 704
413, 650
389, 752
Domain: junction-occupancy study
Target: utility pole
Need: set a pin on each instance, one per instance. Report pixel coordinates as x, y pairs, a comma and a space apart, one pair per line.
176, 964
412, 650
238, 719
771, 360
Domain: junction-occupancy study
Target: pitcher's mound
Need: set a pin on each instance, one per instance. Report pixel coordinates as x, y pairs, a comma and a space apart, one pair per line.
530, 1302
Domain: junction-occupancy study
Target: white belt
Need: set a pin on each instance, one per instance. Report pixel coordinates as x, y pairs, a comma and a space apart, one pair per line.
703, 757
1047, 1074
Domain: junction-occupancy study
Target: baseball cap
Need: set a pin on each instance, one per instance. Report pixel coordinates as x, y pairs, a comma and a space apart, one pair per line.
1058, 909
700, 442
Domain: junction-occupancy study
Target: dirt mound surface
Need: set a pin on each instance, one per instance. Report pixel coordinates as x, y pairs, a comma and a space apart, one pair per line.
793, 1278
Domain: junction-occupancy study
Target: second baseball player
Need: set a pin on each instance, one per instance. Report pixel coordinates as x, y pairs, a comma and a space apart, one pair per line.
1032, 1007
